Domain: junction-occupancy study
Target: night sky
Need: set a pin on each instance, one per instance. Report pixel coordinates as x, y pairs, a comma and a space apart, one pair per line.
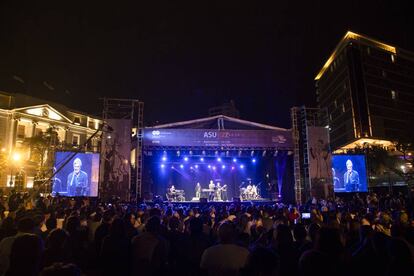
182, 57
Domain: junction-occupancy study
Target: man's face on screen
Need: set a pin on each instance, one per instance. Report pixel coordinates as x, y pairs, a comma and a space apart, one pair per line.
76, 167
349, 165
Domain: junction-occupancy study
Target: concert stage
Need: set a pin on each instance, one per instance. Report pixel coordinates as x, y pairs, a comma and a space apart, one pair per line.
193, 204
227, 157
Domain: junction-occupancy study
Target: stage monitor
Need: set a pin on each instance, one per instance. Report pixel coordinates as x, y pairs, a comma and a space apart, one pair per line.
349, 173
79, 177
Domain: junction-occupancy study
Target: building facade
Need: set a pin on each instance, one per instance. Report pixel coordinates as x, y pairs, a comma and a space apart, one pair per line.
23, 118
367, 88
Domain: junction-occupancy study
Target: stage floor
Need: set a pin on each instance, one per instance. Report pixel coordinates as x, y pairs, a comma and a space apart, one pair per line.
265, 201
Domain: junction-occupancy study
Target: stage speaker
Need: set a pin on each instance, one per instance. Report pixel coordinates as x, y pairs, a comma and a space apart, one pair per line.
203, 200
236, 199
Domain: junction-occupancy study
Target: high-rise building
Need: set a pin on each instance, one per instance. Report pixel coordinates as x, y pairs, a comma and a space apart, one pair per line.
367, 88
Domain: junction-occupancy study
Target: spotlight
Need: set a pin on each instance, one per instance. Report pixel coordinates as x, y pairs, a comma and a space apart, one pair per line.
232, 168
164, 158
214, 168
209, 166
223, 167
191, 168
264, 153
234, 160
219, 159
204, 152
191, 152
254, 160
162, 166
172, 167
196, 166
240, 153
178, 153
185, 159
202, 159
216, 152
181, 166
252, 153
241, 166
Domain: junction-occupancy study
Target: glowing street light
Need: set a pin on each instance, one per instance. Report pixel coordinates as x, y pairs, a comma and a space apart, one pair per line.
16, 156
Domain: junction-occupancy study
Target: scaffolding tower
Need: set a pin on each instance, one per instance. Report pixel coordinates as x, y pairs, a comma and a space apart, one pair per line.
129, 109
302, 118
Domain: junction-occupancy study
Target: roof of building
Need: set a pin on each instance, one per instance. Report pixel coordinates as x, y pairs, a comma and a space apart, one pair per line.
220, 122
362, 39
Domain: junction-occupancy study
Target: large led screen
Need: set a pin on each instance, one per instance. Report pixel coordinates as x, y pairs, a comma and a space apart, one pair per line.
349, 173
79, 177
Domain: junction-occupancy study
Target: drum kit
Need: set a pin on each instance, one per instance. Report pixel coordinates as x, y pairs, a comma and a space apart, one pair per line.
251, 192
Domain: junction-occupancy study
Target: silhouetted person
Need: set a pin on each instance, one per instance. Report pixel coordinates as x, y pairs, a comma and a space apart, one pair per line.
149, 250
25, 256
225, 258
24, 226
115, 252
262, 262
56, 248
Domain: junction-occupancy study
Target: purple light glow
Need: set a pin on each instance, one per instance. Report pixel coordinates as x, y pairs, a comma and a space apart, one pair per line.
241, 166
181, 166
219, 159
164, 158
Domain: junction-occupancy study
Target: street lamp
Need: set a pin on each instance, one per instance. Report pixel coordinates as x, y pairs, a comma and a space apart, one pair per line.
16, 158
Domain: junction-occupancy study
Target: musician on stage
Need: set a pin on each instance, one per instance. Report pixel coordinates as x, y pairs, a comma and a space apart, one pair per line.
217, 192
198, 190
211, 187
224, 193
172, 193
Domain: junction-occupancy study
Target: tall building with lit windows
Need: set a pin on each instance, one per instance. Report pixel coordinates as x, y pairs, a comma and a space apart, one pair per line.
367, 89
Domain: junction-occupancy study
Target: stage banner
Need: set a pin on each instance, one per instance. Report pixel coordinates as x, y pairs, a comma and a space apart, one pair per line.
115, 159
320, 169
217, 138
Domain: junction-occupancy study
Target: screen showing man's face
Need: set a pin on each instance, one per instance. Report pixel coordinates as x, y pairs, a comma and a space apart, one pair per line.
349, 166
76, 167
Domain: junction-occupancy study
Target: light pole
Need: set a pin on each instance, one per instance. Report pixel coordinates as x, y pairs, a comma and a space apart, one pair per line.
15, 158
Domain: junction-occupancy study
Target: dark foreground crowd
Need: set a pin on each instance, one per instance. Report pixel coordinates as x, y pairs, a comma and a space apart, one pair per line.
62, 236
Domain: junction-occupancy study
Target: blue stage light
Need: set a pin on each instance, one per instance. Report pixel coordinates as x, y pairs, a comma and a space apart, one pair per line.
162, 166
214, 167
181, 166
219, 159
196, 166
209, 166
223, 167
191, 167
172, 168
234, 160
164, 158
232, 168
202, 159
241, 166
185, 159
254, 160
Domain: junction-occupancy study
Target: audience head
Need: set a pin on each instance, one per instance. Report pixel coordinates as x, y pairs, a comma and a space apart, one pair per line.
226, 232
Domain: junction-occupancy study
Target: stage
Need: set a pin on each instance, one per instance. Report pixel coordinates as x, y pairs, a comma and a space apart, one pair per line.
197, 159
258, 202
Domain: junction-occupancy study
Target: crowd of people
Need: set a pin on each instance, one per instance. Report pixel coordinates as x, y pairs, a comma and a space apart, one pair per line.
363, 235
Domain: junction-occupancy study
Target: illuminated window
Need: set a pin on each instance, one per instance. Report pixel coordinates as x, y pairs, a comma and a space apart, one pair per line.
77, 121
21, 131
75, 140
392, 58
393, 95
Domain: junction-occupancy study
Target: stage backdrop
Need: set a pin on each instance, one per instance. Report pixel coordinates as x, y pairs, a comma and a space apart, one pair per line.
217, 138
116, 151
320, 170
